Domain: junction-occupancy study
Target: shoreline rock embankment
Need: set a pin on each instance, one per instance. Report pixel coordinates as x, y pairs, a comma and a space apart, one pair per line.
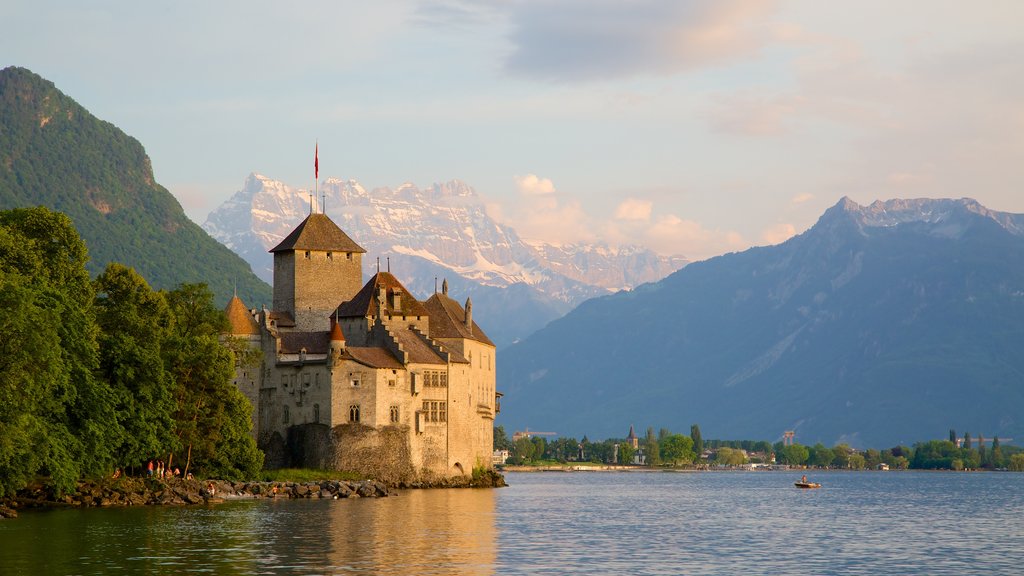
130, 491
180, 492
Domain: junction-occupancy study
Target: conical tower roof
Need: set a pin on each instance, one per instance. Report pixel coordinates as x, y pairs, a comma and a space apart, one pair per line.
336, 334
239, 318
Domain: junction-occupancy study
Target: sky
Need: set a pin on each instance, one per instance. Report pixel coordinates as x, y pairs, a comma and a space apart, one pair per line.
693, 128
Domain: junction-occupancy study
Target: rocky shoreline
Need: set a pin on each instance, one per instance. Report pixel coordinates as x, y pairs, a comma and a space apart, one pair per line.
180, 492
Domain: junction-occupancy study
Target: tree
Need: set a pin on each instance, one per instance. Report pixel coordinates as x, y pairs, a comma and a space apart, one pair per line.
841, 454
676, 449
730, 457
52, 398
1017, 462
626, 453
522, 450
698, 442
651, 452
212, 418
821, 456
952, 435
539, 447
794, 454
997, 453
857, 462
501, 441
133, 322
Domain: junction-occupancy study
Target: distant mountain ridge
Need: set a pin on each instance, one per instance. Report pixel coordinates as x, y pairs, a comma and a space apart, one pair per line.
441, 231
881, 324
54, 153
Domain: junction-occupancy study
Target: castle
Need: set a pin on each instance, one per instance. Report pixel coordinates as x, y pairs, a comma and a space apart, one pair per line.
344, 375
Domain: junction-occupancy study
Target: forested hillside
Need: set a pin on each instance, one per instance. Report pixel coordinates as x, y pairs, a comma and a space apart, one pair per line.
54, 153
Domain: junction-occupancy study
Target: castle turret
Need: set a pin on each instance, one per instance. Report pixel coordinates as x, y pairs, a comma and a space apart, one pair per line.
469, 315
316, 267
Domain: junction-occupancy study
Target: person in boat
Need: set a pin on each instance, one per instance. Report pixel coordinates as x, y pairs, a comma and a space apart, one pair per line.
803, 479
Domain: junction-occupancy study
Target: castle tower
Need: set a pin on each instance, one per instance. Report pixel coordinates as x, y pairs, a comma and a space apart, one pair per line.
316, 267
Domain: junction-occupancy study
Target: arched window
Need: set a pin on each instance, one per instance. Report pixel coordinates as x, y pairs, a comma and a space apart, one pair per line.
353, 413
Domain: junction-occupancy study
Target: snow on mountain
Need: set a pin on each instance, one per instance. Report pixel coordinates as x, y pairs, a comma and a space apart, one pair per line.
441, 231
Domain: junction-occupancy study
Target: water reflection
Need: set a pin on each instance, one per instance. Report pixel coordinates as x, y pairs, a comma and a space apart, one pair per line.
417, 532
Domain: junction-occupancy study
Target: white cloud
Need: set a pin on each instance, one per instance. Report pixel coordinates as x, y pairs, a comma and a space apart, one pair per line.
801, 198
634, 209
533, 185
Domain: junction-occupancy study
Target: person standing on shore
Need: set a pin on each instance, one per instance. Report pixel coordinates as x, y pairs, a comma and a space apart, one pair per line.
149, 469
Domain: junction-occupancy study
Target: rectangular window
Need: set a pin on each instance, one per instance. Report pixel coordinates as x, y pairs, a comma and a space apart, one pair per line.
305, 380
394, 414
284, 380
348, 255
391, 382
330, 255
355, 382
307, 254
285, 414
435, 411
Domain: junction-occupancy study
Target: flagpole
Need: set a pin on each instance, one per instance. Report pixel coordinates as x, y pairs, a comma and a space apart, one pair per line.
316, 169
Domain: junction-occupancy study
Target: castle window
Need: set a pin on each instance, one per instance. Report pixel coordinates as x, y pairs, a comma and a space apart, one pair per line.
305, 380
355, 382
307, 254
435, 411
330, 255
317, 380
348, 255
391, 382
316, 413
285, 420
353, 413
284, 380
394, 414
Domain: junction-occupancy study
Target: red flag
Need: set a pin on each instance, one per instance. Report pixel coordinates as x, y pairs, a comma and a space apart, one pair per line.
316, 162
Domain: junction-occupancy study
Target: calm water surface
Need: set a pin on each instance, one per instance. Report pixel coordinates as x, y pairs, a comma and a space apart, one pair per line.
561, 523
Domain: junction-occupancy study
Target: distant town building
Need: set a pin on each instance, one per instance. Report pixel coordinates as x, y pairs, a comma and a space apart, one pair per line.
348, 375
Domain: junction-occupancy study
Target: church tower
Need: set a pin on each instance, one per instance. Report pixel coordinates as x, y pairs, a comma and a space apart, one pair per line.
316, 267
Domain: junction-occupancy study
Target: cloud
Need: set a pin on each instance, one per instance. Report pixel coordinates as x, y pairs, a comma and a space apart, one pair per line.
801, 198
778, 233
533, 185
572, 40
633, 209
540, 212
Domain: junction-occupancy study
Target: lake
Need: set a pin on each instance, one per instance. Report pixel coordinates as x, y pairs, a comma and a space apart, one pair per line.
561, 523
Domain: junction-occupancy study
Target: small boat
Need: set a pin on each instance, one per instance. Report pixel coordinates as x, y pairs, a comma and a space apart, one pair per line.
807, 484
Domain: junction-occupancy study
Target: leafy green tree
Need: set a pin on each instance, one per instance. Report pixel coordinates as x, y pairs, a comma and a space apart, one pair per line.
841, 455
997, 453
698, 442
821, 456
872, 458
676, 449
651, 452
539, 447
133, 322
501, 441
952, 435
730, 457
626, 453
794, 454
1016, 463
212, 417
856, 462
522, 450
68, 413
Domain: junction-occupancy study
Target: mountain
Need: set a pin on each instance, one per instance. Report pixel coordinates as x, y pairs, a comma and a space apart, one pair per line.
54, 153
442, 231
881, 324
